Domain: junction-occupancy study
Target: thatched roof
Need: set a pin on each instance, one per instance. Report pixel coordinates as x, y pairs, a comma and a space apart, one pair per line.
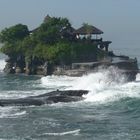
88, 29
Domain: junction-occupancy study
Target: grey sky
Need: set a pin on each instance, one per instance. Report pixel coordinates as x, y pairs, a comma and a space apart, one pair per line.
119, 19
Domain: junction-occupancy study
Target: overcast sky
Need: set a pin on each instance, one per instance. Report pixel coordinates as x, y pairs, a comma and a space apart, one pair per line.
119, 19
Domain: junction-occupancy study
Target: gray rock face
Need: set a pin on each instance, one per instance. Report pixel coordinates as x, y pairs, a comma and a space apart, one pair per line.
48, 98
128, 67
9, 68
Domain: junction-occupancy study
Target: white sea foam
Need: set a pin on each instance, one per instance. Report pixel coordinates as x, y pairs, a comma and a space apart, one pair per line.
14, 94
74, 132
11, 112
104, 86
114, 92
138, 77
2, 64
58, 81
15, 115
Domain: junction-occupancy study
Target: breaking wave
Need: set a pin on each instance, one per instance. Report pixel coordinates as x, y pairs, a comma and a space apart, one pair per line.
74, 132
106, 85
11, 112
2, 64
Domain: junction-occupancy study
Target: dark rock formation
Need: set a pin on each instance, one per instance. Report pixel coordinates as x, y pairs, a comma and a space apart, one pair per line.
127, 67
48, 98
9, 68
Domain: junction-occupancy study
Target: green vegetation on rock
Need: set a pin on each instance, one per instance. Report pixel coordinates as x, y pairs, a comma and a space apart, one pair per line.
51, 42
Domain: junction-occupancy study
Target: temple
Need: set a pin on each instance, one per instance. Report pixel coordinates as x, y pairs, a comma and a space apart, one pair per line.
91, 33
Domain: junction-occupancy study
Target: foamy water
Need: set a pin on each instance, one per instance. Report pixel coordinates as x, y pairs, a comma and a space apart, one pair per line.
2, 64
11, 112
104, 86
73, 132
99, 116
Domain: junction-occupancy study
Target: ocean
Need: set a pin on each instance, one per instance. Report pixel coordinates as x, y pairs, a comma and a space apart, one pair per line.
111, 110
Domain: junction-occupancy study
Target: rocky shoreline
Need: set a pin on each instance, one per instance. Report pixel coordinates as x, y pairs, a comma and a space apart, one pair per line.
125, 65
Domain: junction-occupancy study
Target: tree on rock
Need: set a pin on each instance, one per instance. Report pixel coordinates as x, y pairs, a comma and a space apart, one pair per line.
14, 33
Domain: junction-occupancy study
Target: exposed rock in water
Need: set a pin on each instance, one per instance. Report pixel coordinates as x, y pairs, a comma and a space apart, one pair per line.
128, 67
48, 98
9, 68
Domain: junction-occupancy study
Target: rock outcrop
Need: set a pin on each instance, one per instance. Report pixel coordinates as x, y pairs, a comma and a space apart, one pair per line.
48, 98
127, 67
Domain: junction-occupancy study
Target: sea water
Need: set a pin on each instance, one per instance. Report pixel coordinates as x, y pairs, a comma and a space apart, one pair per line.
111, 110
